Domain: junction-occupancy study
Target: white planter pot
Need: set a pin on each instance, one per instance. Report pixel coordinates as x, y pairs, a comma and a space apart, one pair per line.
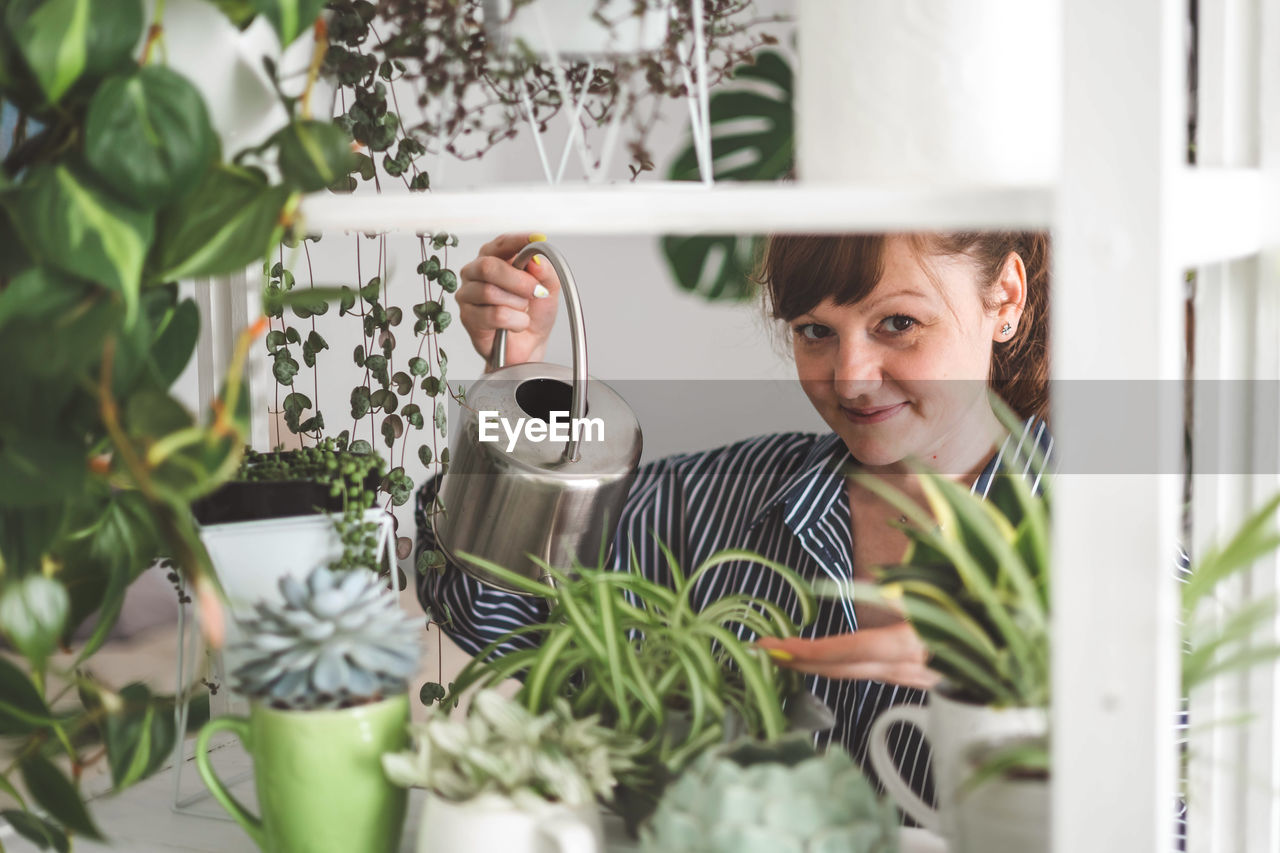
921, 92
566, 29
1003, 816
491, 822
250, 558
952, 729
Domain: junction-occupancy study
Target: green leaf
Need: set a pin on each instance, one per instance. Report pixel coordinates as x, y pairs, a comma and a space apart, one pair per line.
140, 737
428, 560
21, 708
314, 154
431, 385
54, 792
448, 281
424, 455
716, 266
176, 342
440, 421
399, 486
418, 366
151, 414
40, 468
33, 612
74, 227
289, 18
37, 830
413, 414
275, 340
63, 40
230, 220
147, 135
361, 402
297, 403
119, 542
377, 365
239, 12
752, 139
392, 428
284, 368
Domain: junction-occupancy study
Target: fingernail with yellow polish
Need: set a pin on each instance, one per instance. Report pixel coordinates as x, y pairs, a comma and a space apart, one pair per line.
537, 260
537, 238
541, 292
779, 654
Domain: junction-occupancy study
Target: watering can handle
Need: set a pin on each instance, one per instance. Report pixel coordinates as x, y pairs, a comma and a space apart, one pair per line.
577, 332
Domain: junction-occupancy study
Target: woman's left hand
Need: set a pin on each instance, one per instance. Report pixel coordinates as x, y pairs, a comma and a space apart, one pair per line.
892, 654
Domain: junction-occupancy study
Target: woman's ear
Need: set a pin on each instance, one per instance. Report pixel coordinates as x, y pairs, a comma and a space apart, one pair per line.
1011, 293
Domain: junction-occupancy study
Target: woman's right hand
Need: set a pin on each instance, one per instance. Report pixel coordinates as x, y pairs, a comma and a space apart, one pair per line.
495, 295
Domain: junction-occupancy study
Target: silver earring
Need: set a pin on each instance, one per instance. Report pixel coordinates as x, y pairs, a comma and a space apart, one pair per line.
1006, 329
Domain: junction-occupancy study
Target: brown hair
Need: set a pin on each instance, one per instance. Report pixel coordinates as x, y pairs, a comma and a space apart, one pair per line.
801, 270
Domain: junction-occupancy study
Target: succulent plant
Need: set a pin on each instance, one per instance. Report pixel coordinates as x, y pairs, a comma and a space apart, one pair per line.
502, 748
769, 799
338, 639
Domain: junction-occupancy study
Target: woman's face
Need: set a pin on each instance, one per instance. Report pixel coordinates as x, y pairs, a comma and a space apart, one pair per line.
904, 371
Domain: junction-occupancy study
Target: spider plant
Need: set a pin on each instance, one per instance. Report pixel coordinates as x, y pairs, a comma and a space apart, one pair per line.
639, 655
1220, 646
974, 583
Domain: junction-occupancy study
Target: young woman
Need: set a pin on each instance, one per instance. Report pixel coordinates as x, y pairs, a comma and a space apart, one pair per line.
896, 340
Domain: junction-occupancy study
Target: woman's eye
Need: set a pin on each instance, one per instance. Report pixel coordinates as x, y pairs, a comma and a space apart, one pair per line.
812, 331
899, 323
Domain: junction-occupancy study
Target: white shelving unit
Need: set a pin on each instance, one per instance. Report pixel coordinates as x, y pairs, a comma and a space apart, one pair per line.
1129, 218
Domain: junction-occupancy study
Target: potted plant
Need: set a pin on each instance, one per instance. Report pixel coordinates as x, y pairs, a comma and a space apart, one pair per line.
503, 777
284, 513
637, 654
975, 585
113, 187
327, 670
781, 796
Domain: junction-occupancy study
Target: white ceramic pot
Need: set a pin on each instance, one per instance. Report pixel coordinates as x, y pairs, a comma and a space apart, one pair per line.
928, 93
952, 730
563, 27
1003, 815
491, 823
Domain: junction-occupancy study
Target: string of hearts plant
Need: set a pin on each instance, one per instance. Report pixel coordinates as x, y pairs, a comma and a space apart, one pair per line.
385, 405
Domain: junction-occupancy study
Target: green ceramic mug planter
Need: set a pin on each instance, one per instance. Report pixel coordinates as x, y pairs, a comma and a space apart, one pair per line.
318, 775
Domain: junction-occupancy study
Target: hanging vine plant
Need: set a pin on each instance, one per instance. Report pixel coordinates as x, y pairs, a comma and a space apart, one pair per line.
398, 406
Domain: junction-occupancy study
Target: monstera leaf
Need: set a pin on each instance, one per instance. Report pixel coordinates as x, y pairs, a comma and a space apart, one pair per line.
752, 139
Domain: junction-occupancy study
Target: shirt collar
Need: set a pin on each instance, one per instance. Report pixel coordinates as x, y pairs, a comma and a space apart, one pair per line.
802, 493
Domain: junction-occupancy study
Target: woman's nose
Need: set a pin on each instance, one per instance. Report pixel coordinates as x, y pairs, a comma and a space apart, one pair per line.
858, 370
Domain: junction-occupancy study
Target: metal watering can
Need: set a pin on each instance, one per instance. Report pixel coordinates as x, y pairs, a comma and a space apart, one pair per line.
541, 459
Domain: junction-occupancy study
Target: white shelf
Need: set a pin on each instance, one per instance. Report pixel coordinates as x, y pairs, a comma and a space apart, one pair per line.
1221, 214
685, 207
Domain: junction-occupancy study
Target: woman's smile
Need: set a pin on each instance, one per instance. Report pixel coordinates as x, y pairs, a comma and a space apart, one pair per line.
872, 414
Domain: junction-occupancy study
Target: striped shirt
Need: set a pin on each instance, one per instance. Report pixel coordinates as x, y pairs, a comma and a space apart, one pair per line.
782, 496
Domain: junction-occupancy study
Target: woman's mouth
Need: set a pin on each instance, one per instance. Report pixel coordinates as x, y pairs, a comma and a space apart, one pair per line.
873, 414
